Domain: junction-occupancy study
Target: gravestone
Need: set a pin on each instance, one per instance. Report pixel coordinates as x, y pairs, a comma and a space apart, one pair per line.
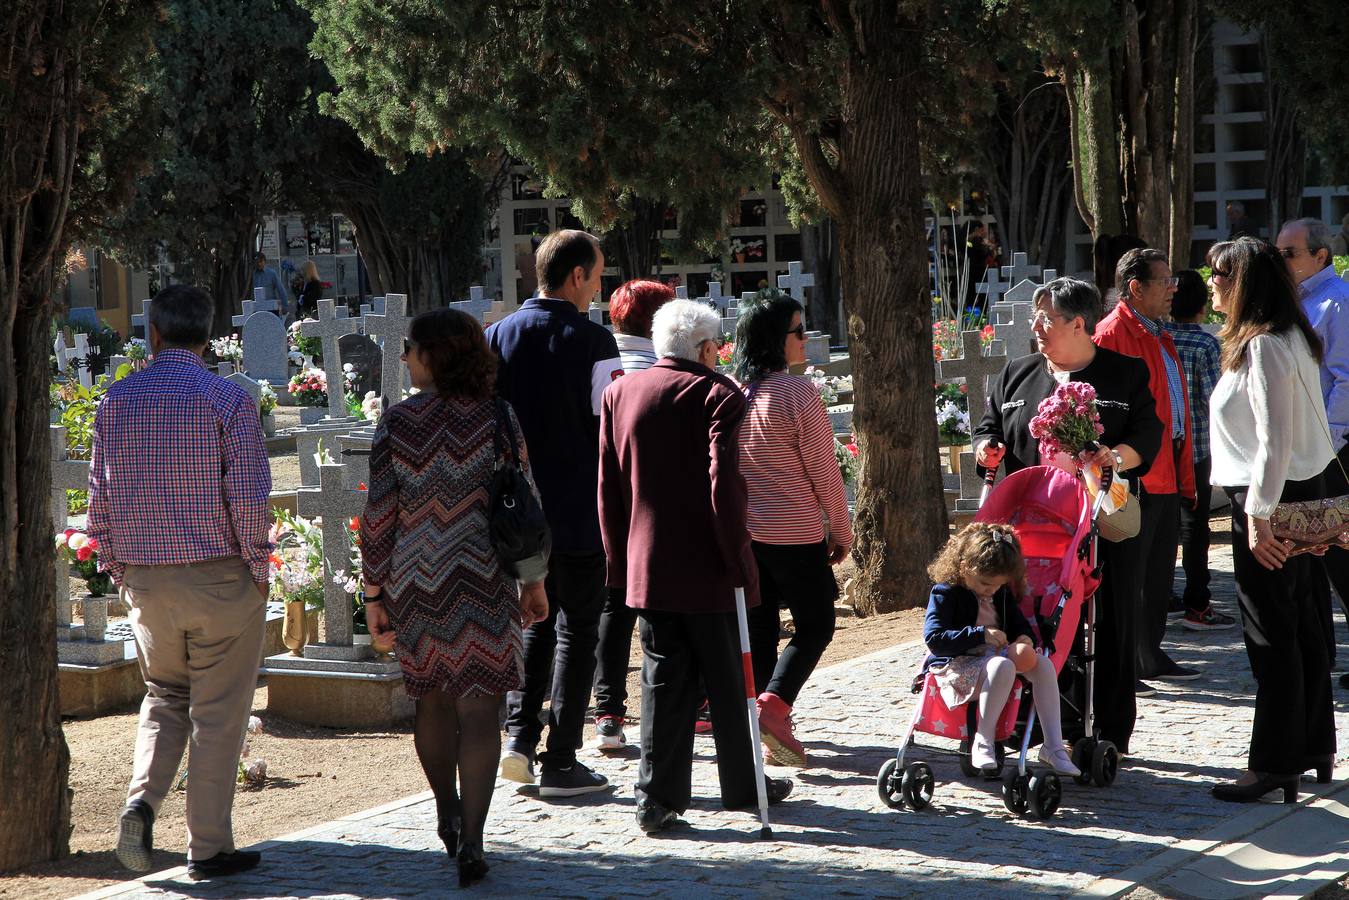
364, 355
817, 348
1020, 269
391, 327
795, 282
142, 320
992, 287
596, 315
976, 369
682, 292
252, 306
329, 328
326, 433
266, 347
1013, 324
248, 384
80, 357
714, 297
334, 504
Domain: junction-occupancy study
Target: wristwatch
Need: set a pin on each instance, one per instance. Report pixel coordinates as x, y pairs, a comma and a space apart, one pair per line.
1119, 461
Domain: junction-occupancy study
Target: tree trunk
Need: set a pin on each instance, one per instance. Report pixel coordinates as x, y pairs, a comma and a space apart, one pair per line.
635, 243
873, 193
1286, 156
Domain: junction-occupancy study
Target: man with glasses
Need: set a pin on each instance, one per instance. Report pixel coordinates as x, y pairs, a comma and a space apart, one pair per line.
1305, 247
1134, 328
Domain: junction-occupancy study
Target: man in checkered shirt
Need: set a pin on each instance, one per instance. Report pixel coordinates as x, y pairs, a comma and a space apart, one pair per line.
178, 503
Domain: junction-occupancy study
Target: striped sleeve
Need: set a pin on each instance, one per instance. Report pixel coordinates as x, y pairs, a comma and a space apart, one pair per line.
817, 453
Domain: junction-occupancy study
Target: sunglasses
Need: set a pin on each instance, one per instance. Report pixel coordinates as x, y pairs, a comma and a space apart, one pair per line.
407, 346
1220, 274
799, 331
1173, 281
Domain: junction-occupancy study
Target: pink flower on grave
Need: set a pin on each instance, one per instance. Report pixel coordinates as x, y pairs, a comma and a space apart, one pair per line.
85, 553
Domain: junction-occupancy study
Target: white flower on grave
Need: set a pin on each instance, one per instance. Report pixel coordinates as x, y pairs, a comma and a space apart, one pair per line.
254, 725
60, 539
256, 771
350, 585
372, 406
77, 540
296, 357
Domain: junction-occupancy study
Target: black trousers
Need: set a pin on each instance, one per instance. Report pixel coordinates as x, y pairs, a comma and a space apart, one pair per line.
799, 577
678, 648
1157, 539
1285, 615
1194, 540
1336, 562
1113, 702
611, 659
559, 661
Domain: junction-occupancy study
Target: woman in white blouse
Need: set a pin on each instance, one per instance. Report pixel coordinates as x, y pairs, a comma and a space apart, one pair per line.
1270, 444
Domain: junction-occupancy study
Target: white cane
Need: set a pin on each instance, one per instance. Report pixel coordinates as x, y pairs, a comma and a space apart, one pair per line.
752, 711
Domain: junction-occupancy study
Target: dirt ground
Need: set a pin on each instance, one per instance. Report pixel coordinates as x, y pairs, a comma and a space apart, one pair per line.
313, 775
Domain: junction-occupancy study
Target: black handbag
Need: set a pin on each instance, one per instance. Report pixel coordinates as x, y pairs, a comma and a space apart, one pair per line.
515, 520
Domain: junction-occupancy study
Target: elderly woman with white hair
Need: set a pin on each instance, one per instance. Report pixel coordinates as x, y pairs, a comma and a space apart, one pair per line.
673, 509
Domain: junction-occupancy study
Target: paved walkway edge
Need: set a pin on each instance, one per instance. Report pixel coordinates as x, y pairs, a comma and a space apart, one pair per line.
1242, 846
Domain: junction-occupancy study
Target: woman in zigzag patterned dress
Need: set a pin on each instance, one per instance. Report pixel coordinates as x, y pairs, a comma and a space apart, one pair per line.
433, 578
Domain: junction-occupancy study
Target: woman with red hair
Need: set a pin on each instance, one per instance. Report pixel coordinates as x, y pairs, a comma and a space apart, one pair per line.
631, 307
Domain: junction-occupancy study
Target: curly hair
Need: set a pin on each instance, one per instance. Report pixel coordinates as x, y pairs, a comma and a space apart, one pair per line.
454, 349
980, 548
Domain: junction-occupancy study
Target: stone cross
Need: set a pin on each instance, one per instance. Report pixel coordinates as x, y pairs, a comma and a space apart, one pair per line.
1022, 292
307, 442
795, 282
1020, 268
142, 321
596, 315
682, 292
746, 297
976, 369
390, 327
67, 475
714, 297
252, 306
80, 356
992, 287
1012, 323
328, 329
335, 505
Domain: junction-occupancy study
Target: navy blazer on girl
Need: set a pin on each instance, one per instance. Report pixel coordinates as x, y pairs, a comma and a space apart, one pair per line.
950, 630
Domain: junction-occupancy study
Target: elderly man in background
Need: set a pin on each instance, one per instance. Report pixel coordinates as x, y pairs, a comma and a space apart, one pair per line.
178, 502
673, 514
1146, 287
267, 278
1304, 245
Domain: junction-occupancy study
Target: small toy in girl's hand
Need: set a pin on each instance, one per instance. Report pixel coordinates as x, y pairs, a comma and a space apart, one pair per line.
980, 642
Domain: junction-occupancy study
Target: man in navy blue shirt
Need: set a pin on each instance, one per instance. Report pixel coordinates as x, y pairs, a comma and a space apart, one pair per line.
555, 365
265, 277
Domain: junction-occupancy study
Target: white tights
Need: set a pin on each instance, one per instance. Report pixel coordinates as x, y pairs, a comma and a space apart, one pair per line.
999, 673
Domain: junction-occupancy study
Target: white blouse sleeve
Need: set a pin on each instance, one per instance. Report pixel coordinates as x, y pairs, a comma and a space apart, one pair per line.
1272, 388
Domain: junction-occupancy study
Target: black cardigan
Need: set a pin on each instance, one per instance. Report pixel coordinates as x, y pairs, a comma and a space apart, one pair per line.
952, 611
1125, 402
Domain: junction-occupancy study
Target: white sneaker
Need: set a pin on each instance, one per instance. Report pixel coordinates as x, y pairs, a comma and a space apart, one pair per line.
981, 753
517, 767
1059, 761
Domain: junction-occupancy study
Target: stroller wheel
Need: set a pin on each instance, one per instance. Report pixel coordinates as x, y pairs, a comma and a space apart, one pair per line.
1015, 794
1083, 750
918, 785
1104, 764
888, 785
1044, 792
967, 768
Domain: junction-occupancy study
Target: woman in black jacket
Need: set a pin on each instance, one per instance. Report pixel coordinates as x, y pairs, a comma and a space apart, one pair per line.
1066, 313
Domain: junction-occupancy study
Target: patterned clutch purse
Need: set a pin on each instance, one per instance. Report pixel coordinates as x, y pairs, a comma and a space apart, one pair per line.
1312, 525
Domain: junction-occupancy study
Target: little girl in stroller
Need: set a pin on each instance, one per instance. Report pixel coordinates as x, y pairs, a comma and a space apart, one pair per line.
979, 640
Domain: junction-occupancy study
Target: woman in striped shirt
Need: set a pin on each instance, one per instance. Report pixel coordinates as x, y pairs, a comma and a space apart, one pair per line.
632, 306
798, 512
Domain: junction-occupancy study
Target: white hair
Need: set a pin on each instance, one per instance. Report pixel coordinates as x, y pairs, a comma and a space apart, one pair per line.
681, 326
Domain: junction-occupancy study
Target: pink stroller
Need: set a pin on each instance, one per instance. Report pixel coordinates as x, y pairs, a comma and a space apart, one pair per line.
1055, 521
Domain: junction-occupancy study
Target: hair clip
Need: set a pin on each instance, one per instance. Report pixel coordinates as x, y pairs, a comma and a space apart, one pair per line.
1000, 536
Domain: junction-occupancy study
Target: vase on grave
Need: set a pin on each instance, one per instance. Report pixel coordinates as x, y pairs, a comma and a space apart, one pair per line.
94, 608
269, 425
954, 451
295, 627
740, 257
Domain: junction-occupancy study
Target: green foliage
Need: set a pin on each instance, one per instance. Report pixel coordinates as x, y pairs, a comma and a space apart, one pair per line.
75, 407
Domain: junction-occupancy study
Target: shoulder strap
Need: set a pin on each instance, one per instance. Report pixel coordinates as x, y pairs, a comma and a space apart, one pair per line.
503, 419
1320, 403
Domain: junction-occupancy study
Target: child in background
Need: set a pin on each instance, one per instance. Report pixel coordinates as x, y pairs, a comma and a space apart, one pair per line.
1199, 352
979, 641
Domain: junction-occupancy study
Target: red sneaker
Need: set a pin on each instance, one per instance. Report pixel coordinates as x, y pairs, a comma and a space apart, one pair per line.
775, 727
703, 724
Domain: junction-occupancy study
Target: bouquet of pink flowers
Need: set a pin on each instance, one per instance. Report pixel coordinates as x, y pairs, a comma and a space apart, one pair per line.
81, 551
1067, 421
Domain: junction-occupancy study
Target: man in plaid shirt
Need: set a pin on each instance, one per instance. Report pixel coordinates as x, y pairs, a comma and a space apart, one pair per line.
1199, 352
178, 503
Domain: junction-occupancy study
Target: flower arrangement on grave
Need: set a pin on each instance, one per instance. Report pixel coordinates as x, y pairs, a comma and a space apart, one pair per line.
81, 551
75, 406
946, 339
1066, 421
297, 560
372, 406
726, 355
266, 399
829, 386
849, 458
137, 352
228, 349
310, 387
953, 423
301, 347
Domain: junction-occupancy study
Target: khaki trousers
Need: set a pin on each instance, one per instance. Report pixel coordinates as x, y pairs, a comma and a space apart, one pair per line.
199, 633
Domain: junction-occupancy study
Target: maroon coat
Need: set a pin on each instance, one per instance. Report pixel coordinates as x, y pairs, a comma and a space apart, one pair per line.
672, 500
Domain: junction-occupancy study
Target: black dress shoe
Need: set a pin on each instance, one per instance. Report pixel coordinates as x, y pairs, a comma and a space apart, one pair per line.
1324, 767
777, 789
652, 817
1264, 784
472, 865
135, 836
1344, 681
223, 865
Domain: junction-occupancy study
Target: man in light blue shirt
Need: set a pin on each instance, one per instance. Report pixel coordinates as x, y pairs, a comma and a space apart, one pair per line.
265, 277
1305, 247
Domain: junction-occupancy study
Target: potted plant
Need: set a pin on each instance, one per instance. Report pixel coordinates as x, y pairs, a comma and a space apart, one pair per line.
266, 408
953, 425
310, 390
297, 577
81, 551
228, 349
738, 249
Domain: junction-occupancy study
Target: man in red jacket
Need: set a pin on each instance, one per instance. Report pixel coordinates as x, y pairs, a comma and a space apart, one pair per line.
673, 509
1146, 285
